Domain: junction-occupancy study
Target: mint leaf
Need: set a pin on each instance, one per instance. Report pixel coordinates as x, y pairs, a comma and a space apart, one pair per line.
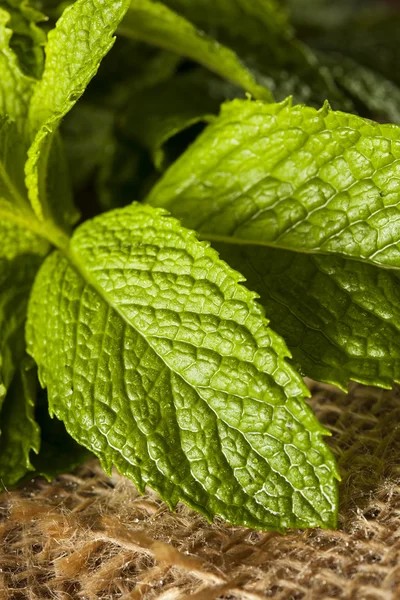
19, 432
301, 179
12, 159
164, 365
154, 23
260, 33
340, 318
20, 257
160, 112
264, 179
81, 38
21, 252
235, 19
28, 39
15, 87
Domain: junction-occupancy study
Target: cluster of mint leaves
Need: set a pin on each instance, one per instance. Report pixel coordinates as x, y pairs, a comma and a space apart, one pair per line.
139, 323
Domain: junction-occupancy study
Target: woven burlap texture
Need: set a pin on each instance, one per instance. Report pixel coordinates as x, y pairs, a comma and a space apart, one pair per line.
87, 536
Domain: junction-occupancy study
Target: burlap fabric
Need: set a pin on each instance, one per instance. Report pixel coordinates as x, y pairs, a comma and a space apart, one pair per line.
87, 536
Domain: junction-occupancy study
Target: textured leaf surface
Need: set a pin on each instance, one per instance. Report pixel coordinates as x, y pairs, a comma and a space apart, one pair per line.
260, 33
21, 252
28, 39
161, 363
12, 160
19, 432
81, 38
340, 318
155, 23
15, 87
293, 177
314, 182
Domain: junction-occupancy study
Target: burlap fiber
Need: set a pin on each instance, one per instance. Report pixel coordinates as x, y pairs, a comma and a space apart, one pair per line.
87, 536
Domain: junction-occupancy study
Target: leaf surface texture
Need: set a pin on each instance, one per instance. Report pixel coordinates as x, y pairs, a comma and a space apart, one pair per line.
160, 362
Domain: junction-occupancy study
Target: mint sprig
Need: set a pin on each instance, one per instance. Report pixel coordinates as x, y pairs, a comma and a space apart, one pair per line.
152, 353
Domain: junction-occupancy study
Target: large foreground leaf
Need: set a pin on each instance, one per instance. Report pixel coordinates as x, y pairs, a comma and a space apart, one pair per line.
160, 362
314, 182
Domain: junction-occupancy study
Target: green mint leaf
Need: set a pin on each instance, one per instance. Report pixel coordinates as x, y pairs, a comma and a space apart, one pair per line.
15, 87
260, 34
237, 19
164, 366
21, 254
12, 160
313, 182
19, 432
155, 23
340, 318
159, 113
28, 39
82, 37
293, 177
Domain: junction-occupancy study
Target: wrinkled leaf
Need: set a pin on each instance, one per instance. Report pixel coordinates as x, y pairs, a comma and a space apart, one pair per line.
164, 365
316, 183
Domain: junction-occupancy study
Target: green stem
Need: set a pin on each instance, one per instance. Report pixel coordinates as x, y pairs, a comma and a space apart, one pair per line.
44, 229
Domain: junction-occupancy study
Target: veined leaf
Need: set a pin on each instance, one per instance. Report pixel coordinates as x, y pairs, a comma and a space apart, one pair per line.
260, 33
155, 23
19, 432
316, 183
15, 87
21, 253
81, 38
164, 365
301, 179
12, 160
28, 39
340, 318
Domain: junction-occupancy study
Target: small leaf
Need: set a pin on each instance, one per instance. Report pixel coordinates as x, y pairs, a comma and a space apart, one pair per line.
154, 23
81, 38
160, 362
28, 39
16, 88
340, 318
